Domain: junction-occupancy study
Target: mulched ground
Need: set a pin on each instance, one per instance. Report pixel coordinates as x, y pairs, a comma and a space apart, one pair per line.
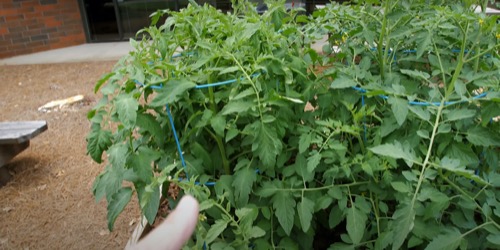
48, 204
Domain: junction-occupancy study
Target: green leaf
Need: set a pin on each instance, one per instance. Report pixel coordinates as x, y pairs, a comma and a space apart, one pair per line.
101, 81
242, 183
483, 137
150, 124
423, 44
460, 114
448, 241
304, 142
116, 205
218, 123
403, 221
464, 153
229, 70
301, 168
98, 141
118, 155
172, 91
313, 161
305, 210
494, 239
399, 109
342, 82
284, 204
215, 230
141, 162
236, 107
149, 202
416, 74
126, 107
356, 222
401, 187
231, 133
421, 112
396, 151
256, 232
266, 144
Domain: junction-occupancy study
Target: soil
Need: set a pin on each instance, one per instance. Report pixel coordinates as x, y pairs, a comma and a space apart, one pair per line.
48, 204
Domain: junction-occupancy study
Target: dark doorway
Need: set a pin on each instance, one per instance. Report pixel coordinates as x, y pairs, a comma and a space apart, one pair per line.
102, 21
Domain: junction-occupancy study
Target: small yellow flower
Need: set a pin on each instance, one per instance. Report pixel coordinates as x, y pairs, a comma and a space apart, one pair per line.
481, 21
498, 35
344, 38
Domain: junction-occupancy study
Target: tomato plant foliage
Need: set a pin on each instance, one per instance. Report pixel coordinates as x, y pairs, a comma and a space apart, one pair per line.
397, 148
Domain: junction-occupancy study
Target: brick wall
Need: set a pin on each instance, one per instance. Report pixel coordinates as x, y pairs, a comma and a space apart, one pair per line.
28, 26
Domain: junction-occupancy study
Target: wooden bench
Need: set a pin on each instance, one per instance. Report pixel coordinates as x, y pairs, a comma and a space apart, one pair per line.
14, 138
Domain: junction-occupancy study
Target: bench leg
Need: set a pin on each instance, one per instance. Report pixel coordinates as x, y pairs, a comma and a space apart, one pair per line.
7, 152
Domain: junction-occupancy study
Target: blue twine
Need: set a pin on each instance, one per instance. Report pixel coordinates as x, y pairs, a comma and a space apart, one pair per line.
171, 119
414, 103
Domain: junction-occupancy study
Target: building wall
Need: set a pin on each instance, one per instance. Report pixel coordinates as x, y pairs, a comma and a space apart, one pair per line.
28, 26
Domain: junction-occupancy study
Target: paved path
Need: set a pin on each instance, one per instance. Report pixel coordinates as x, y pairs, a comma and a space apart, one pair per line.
81, 53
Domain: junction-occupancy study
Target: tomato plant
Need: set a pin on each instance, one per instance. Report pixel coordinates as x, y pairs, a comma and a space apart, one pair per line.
397, 146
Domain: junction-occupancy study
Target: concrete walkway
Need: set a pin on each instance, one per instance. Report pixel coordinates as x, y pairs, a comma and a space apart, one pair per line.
89, 52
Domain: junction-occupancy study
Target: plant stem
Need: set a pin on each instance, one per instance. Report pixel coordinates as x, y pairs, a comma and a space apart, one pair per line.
322, 188
222, 149
381, 56
252, 83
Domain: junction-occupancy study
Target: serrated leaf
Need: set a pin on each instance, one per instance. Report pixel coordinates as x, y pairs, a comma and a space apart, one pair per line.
483, 137
395, 151
423, 134
356, 223
229, 70
126, 107
236, 107
403, 223
494, 239
301, 168
101, 81
231, 133
150, 124
218, 123
256, 232
421, 112
464, 153
118, 155
206, 204
416, 74
304, 142
284, 204
215, 230
305, 210
313, 161
116, 205
266, 144
399, 109
342, 82
141, 162
448, 241
98, 141
242, 183
149, 202
422, 44
171, 92
460, 114
401, 187
268, 189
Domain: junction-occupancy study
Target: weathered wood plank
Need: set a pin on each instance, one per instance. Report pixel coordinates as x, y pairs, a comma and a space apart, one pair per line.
19, 132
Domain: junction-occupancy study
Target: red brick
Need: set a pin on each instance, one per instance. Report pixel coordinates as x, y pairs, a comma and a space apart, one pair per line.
50, 23
8, 12
3, 30
13, 18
